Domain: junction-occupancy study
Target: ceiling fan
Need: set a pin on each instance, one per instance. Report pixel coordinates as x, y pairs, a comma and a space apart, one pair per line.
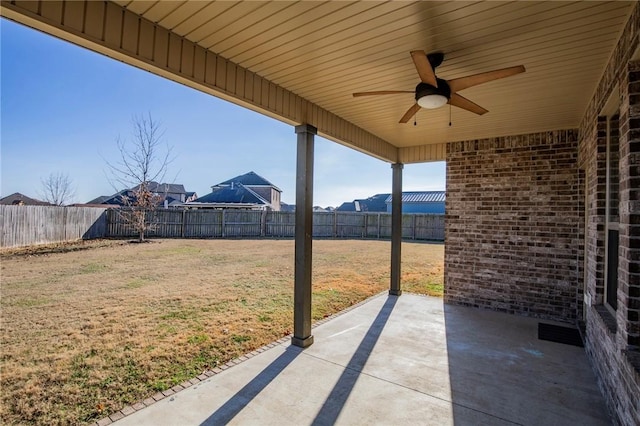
433, 92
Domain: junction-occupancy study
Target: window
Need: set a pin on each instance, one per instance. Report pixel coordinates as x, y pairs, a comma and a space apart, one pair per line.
612, 212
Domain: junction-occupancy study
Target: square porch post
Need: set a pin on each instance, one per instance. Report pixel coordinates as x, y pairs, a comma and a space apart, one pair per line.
303, 237
396, 228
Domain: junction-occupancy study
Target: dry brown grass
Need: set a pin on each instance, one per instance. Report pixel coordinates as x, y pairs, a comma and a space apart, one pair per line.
89, 328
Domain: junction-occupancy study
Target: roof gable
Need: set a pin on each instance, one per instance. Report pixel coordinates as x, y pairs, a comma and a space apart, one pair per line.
237, 193
249, 179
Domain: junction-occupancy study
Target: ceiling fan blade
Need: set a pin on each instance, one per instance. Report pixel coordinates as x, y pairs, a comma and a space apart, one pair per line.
461, 83
427, 75
410, 113
381, 92
464, 103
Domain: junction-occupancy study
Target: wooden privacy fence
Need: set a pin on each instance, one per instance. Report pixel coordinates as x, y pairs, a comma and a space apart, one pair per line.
246, 223
27, 225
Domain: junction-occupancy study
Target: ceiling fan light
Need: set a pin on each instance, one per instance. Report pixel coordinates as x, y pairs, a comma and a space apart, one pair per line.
432, 101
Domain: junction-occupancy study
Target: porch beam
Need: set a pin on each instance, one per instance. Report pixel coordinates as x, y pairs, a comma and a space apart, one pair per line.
422, 153
303, 237
396, 228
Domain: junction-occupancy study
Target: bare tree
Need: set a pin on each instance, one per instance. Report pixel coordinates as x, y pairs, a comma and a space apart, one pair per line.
143, 161
57, 188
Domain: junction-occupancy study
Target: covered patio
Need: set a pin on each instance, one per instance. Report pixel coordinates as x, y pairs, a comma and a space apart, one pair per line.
542, 211
396, 360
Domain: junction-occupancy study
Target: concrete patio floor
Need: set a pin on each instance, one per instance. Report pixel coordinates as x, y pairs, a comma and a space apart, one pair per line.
399, 360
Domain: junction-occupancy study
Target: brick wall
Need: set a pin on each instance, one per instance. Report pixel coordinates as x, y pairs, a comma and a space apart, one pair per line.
526, 225
612, 339
512, 224
628, 312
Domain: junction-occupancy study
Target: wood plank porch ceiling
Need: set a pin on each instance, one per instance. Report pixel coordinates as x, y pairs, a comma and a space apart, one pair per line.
325, 51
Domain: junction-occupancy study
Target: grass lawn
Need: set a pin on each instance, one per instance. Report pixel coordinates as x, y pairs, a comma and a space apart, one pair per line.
91, 327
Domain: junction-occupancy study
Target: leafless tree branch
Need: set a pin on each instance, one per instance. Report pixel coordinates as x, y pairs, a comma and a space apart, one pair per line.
143, 161
57, 188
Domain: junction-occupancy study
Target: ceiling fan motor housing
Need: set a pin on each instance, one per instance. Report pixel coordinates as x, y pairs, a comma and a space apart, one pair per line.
425, 89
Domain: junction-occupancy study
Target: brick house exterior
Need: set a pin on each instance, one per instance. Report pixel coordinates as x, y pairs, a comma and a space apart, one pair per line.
527, 225
512, 225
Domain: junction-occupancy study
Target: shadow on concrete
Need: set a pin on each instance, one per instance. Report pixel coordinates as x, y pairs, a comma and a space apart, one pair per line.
236, 403
500, 373
336, 400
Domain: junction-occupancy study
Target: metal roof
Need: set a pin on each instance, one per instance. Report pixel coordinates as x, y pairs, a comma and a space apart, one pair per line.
421, 197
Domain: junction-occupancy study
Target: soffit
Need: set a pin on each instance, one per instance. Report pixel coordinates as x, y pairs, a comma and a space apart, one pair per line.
325, 51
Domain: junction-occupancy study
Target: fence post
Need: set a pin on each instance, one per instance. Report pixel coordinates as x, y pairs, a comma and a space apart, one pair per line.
108, 224
263, 223
223, 231
379, 219
64, 224
413, 225
366, 226
184, 211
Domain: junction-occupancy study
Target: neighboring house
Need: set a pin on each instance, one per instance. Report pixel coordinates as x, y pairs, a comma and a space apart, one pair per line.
375, 203
412, 202
284, 207
247, 191
18, 199
101, 199
259, 185
420, 202
233, 196
170, 195
172, 192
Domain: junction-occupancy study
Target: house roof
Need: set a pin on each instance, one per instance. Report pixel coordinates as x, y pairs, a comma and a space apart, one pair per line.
236, 193
249, 179
421, 197
375, 203
161, 188
101, 199
116, 199
17, 197
284, 207
172, 202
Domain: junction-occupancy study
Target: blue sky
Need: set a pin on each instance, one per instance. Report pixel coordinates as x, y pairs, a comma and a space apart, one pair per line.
63, 107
